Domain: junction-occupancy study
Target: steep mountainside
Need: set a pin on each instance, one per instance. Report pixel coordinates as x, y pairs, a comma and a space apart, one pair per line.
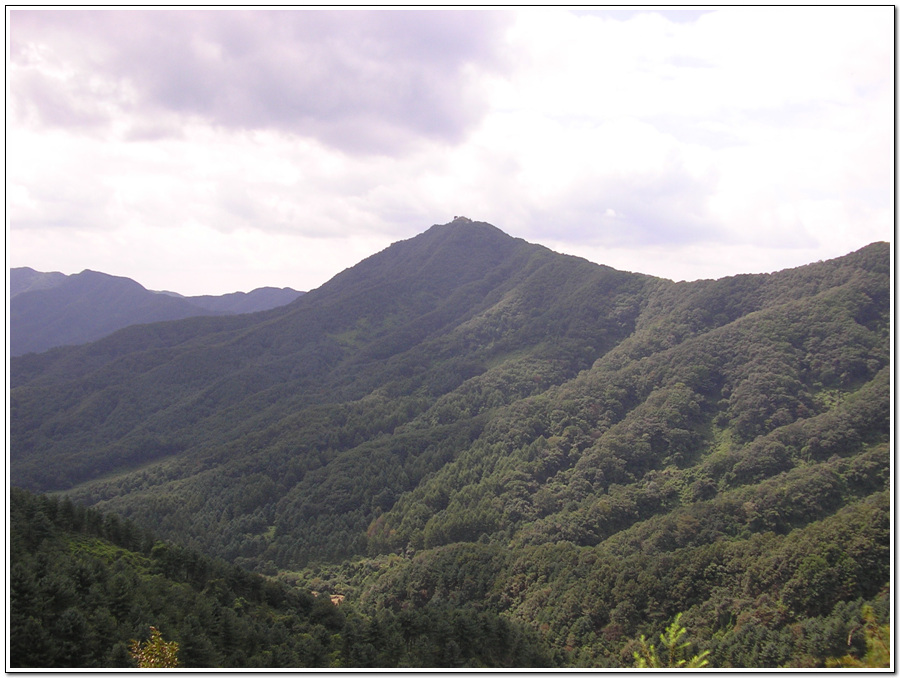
418, 319
86, 585
52, 309
470, 419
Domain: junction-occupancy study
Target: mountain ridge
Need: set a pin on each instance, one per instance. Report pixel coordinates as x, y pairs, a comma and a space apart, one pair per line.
379, 283
471, 418
52, 309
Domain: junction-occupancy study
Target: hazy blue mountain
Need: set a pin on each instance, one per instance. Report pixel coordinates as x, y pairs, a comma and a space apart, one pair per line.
260, 299
53, 309
24, 279
84, 307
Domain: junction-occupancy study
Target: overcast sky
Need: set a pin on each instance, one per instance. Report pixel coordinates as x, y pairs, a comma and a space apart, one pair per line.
211, 151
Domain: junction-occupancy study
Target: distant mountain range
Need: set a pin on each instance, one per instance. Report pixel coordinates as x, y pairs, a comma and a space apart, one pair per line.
467, 425
53, 309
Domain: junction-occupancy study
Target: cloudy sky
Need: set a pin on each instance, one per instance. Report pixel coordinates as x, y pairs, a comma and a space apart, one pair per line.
211, 151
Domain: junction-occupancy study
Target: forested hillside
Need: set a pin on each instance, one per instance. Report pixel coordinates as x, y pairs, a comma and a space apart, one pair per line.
466, 421
85, 586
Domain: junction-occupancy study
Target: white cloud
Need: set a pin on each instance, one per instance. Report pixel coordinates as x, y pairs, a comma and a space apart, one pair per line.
732, 141
361, 81
757, 119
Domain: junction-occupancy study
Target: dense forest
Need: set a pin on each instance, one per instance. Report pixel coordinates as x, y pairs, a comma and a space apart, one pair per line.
85, 586
469, 431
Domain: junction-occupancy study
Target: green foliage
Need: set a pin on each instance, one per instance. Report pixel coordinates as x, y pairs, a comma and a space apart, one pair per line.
79, 594
878, 645
154, 653
675, 653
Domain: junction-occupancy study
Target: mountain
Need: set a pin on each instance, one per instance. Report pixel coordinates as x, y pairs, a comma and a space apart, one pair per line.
260, 299
25, 279
52, 309
471, 420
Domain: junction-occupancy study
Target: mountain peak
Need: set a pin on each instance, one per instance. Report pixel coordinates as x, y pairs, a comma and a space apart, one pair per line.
442, 258
466, 233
